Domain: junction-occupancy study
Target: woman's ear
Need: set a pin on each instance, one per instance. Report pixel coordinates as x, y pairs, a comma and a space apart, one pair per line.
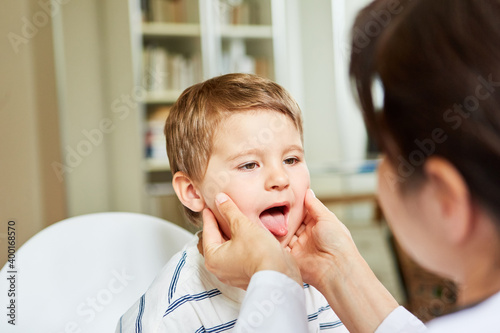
454, 204
187, 193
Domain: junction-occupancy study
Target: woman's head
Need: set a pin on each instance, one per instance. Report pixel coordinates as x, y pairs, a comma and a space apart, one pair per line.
439, 66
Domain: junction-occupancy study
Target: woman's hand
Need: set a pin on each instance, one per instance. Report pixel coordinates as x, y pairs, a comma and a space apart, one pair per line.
329, 260
322, 244
251, 248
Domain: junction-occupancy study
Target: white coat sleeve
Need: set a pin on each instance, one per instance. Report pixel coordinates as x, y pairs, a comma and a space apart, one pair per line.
273, 303
401, 320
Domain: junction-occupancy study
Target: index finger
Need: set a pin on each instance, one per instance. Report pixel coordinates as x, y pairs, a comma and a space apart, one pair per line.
315, 208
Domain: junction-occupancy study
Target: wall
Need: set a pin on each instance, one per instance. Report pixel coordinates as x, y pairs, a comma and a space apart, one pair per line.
30, 192
334, 129
99, 115
319, 106
335, 135
351, 128
77, 38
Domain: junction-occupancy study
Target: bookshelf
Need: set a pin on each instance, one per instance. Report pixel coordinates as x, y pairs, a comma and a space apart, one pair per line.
187, 41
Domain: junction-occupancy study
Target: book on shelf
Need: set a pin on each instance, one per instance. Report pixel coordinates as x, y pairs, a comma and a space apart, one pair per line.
170, 71
170, 11
239, 12
243, 12
154, 138
236, 60
145, 11
262, 67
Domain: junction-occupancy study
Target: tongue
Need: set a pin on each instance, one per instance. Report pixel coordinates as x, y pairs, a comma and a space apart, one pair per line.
274, 220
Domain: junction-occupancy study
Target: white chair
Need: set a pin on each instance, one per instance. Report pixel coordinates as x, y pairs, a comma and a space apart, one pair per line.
83, 273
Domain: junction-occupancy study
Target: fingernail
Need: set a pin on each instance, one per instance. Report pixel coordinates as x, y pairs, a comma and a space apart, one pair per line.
221, 198
312, 192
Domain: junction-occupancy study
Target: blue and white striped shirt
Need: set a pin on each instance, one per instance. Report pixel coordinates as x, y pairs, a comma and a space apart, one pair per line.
186, 297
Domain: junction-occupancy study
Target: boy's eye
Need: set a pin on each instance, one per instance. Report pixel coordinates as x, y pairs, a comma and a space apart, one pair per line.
248, 166
291, 160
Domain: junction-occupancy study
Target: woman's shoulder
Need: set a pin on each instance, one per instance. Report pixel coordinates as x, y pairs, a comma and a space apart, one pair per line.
483, 317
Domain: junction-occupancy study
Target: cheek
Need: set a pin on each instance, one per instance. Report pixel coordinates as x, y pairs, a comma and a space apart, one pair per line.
244, 194
213, 184
402, 222
301, 183
388, 199
388, 192
222, 181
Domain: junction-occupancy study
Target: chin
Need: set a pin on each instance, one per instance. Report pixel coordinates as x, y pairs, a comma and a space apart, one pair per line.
284, 241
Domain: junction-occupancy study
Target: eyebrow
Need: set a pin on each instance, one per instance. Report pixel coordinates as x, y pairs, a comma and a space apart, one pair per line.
255, 151
295, 147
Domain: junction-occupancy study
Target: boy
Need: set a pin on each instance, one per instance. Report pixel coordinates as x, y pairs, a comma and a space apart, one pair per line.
242, 135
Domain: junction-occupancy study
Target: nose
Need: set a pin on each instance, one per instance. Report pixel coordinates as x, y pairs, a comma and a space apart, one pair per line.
277, 178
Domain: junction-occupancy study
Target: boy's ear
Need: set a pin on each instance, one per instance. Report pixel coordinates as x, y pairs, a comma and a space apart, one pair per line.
187, 192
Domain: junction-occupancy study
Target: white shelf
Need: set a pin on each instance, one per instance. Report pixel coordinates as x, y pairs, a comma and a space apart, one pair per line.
171, 29
247, 31
168, 97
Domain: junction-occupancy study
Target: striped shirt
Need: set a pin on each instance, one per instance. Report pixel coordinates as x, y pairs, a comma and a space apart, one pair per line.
186, 297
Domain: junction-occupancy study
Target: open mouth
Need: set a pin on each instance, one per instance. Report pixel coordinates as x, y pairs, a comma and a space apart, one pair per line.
275, 219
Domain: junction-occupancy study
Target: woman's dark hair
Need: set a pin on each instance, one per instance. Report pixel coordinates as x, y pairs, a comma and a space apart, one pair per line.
438, 62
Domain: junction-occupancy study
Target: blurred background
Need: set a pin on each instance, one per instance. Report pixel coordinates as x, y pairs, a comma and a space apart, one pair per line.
86, 86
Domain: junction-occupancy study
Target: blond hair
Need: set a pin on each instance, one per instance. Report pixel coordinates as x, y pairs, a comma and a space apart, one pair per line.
195, 117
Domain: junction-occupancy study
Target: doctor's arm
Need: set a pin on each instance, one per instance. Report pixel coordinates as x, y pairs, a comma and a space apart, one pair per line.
330, 261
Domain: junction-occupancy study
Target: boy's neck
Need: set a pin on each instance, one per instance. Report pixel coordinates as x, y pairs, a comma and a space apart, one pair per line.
200, 243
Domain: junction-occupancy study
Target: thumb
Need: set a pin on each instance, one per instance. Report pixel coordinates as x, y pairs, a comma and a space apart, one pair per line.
229, 211
315, 207
212, 236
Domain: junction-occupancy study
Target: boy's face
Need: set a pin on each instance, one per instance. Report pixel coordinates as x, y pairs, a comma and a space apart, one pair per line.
258, 160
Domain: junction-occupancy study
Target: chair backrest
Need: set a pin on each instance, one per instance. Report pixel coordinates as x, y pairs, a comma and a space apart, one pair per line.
83, 273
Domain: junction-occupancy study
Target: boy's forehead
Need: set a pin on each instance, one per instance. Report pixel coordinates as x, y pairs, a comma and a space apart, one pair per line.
265, 120
255, 128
